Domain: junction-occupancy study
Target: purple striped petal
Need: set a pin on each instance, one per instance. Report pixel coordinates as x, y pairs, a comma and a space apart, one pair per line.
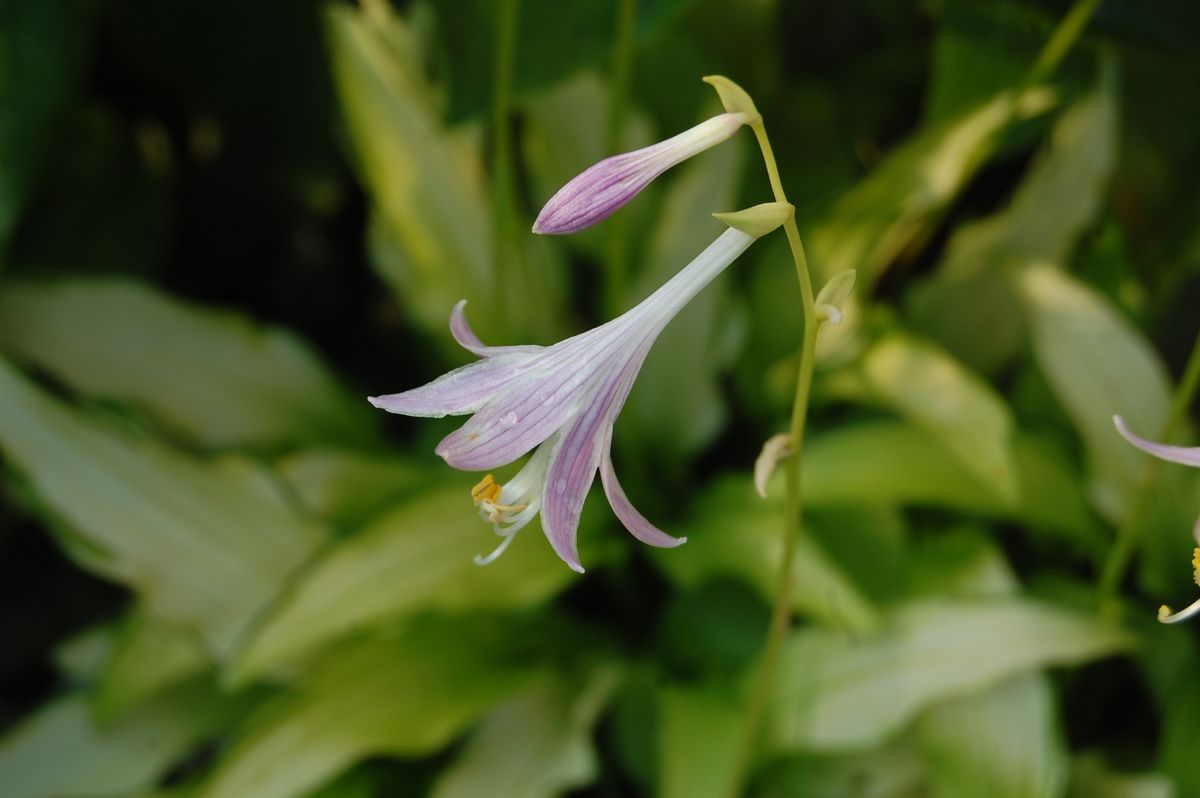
469, 341
598, 191
1176, 454
455, 393
634, 521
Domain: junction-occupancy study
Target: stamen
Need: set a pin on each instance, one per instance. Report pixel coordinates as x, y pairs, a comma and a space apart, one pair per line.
488, 490
491, 558
1196, 564
1166, 616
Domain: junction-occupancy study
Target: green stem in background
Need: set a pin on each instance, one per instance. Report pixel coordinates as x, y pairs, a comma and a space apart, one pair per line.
502, 175
781, 612
1129, 532
1061, 41
617, 256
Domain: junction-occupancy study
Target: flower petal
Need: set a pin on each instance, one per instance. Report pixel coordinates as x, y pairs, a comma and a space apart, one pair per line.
634, 521
469, 341
463, 390
1176, 454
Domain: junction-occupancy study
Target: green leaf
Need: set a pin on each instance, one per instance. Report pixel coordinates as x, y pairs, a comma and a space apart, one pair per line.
147, 657
1098, 365
416, 557
970, 305
896, 771
346, 486
836, 693
61, 751
676, 408
537, 745
933, 391
1000, 743
700, 734
205, 544
1091, 778
405, 694
212, 377
889, 462
733, 532
897, 206
425, 183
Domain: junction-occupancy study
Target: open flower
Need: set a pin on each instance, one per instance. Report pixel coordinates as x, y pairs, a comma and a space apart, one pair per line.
562, 401
1175, 454
597, 192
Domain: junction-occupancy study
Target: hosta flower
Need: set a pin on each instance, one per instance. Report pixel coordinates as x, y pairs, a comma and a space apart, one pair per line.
561, 401
1175, 454
599, 191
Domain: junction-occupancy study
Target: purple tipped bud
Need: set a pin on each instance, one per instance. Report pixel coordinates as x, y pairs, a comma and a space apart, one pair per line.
600, 190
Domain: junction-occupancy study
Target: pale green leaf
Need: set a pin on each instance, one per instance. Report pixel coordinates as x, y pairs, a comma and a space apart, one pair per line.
418, 556
733, 532
205, 544
537, 745
212, 377
60, 751
929, 388
837, 693
147, 657
404, 694
897, 205
80, 658
1098, 365
346, 486
700, 734
1091, 778
426, 183
970, 305
999, 743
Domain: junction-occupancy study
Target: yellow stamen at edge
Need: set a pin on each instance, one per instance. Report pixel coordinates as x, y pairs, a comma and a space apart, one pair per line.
488, 490
1163, 612
1196, 564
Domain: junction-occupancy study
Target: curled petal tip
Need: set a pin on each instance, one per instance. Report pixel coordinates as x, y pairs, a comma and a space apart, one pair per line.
775, 449
576, 567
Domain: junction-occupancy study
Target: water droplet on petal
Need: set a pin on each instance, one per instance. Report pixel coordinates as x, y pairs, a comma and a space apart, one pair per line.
561, 486
509, 419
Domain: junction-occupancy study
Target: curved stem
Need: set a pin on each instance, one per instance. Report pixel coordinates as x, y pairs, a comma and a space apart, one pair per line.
1129, 532
781, 612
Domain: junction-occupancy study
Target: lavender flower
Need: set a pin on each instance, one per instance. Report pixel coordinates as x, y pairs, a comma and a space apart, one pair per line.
561, 401
597, 192
1175, 454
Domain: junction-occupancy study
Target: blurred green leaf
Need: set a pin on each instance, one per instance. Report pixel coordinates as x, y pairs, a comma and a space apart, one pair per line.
1180, 727
537, 745
1098, 365
147, 657
206, 544
897, 206
1000, 743
80, 658
933, 391
970, 305
346, 486
700, 734
44, 48
837, 693
732, 532
417, 556
405, 694
214, 378
1091, 778
889, 462
426, 183
892, 772
61, 751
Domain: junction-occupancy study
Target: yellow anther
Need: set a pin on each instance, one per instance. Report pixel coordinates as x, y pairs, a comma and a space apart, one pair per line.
488, 490
1164, 612
1196, 564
